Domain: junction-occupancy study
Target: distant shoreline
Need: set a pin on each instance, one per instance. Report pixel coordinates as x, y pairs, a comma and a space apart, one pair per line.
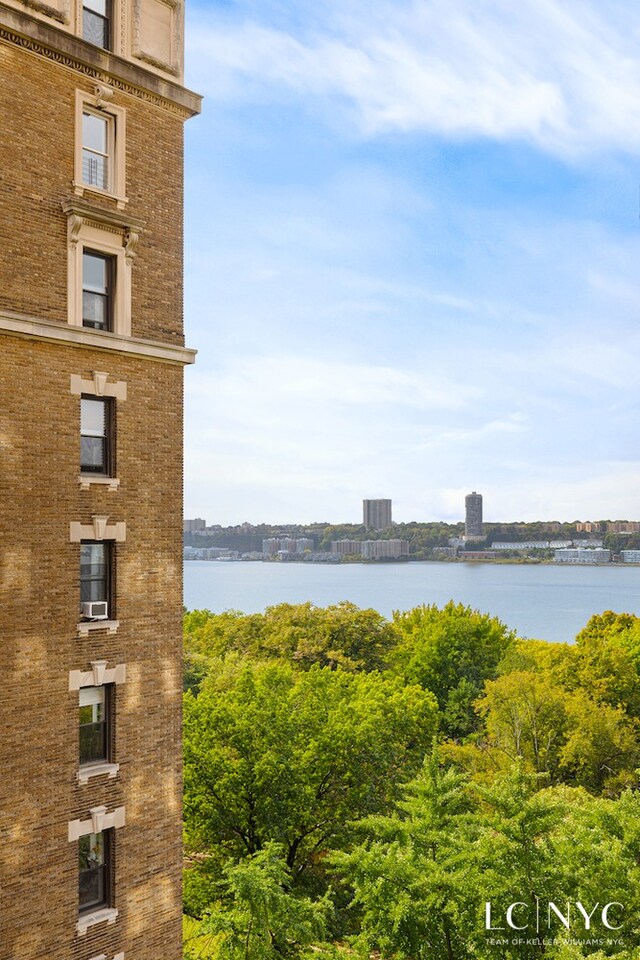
338, 562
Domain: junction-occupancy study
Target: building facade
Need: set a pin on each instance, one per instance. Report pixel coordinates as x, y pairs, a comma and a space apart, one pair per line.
582, 555
93, 107
371, 549
272, 546
473, 515
376, 514
194, 526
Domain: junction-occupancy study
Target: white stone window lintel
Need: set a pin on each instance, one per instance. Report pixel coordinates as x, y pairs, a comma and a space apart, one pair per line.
97, 676
98, 821
98, 386
99, 529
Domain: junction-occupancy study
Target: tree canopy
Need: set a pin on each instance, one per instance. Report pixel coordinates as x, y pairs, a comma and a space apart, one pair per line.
356, 786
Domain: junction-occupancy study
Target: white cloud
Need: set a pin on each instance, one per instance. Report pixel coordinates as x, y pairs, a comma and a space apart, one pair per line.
563, 75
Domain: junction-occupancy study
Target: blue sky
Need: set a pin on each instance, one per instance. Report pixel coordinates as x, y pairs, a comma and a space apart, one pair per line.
413, 259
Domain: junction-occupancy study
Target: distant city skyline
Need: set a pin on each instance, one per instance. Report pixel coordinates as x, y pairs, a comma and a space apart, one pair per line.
199, 525
412, 259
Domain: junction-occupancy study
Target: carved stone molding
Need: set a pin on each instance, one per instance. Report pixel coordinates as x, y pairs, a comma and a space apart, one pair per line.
72, 52
98, 821
61, 11
99, 529
130, 242
97, 676
93, 216
104, 93
98, 386
157, 44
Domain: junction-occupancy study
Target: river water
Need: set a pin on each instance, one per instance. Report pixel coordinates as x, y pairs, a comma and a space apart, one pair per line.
548, 602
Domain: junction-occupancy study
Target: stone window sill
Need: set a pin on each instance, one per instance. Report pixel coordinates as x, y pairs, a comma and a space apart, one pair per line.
105, 914
96, 770
89, 626
86, 479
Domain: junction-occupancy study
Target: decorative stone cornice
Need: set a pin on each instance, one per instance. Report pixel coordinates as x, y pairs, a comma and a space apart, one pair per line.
53, 332
80, 212
99, 65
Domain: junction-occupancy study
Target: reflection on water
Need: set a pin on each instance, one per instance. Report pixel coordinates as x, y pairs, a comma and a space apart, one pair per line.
544, 601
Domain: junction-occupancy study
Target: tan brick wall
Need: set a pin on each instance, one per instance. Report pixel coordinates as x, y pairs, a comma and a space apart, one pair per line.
39, 597
39, 567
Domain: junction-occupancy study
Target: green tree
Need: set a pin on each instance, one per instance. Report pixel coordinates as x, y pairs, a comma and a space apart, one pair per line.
518, 852
451, 651
561, 733
275, 754
525, 718
413, 878
602, 751
339, 635
607, 662
257, 917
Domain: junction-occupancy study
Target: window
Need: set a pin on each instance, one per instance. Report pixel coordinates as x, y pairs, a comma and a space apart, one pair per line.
95, 580
98, 274
97, 149
95, 712
96, 435
102, 246
94, 880
96, 22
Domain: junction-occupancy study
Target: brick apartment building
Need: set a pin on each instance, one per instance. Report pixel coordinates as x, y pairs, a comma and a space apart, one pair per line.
92, 109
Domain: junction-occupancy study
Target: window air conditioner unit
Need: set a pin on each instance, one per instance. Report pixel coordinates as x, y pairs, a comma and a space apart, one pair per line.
96, 610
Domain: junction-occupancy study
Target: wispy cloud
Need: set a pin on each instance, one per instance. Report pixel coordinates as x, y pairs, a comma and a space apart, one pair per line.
562, 75
287, 379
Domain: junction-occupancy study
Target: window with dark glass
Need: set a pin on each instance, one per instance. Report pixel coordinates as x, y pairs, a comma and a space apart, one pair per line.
94, 724
97, 290
94, 880
97, 139
96, 435
95, 579
96, 22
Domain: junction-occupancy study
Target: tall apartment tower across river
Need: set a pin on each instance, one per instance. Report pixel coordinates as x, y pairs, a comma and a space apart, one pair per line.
376, 514
473, 515
91, 367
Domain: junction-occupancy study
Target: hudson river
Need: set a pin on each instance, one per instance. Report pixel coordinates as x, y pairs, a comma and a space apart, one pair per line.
543, 601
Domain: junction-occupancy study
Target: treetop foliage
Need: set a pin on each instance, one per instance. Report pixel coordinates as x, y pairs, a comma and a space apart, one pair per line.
372, 783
